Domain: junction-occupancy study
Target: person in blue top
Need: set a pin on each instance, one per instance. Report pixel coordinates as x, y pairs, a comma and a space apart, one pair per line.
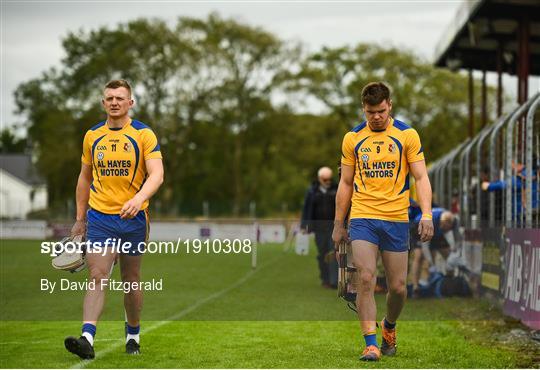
519, 201
445, 239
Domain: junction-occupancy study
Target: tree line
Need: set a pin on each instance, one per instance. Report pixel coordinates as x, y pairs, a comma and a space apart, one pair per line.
232, 106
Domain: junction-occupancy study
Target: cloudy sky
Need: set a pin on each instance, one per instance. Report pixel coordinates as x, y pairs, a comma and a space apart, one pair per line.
32, 30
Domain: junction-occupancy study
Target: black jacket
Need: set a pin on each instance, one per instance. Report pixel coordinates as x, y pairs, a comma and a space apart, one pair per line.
319, 208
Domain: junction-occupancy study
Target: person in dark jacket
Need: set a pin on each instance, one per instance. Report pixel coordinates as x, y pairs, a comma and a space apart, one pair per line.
317, 217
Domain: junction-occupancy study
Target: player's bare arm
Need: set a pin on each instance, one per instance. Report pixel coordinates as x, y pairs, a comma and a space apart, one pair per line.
154, 167
423, 192
343, 203
82, 195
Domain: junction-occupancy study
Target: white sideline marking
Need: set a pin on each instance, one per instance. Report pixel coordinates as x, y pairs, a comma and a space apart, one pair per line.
82, 364
53, 340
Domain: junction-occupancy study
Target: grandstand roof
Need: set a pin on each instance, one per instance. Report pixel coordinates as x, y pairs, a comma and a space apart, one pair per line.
472, 40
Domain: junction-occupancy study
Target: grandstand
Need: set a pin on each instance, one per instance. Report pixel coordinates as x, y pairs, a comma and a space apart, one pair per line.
495, 172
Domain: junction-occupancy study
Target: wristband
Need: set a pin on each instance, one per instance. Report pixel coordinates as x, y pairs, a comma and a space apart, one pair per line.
427, 216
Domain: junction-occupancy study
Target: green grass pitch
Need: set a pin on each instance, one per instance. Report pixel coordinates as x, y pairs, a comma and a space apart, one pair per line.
216, 312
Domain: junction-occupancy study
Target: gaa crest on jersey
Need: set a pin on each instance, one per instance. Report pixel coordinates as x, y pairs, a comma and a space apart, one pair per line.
127, 147
365, 157
391, 148
100, 156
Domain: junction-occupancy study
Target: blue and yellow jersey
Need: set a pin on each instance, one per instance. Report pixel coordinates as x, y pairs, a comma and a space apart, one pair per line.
381, 169
117, 158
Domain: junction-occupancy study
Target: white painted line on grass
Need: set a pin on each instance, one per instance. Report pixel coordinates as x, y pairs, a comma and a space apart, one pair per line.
83, 363
51, 341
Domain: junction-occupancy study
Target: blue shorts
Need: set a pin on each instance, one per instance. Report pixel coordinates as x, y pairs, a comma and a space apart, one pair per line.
102, 226
387, 235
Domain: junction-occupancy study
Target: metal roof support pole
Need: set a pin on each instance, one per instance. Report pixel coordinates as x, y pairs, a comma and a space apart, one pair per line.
484, 99
529, 160
499, 79
523, 59
471, 104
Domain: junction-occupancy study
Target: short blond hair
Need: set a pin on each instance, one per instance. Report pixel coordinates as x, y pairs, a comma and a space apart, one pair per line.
115, 84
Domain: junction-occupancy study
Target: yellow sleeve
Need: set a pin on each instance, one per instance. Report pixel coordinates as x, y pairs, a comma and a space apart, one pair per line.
347, 150
415, 151
86, 157
151, 148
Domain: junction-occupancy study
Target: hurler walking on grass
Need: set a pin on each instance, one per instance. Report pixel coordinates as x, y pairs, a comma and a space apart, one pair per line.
377, 156
121, 169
